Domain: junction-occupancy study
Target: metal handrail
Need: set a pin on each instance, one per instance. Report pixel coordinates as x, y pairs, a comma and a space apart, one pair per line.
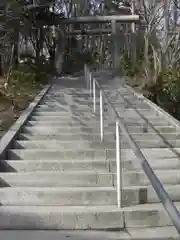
162, 194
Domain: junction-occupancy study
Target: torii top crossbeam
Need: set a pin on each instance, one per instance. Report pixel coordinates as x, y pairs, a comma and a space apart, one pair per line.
101, 19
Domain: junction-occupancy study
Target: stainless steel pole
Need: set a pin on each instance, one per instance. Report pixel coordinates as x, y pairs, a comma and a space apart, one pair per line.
118, 167
94, 94
101, 116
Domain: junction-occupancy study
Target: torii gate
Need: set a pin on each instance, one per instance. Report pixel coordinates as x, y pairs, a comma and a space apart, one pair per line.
131, 19
126, 17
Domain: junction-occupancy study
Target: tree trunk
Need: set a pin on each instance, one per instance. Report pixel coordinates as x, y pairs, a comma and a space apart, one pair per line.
16, 50
1, 66
175, 13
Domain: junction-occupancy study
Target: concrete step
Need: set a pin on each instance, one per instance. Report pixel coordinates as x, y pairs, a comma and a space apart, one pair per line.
78, 165
61, 102
61, 129
83, 217
170, 177
73, 123
56, 154
127, 154
55, 196
80, 112
64, 137
134, 103
118, 103
53, 106
73, 102
84, 107
133, 106
134, 111
110, 137
78, 101
153, 136
87, 100
82, 196
149, 154
154, 144
54, 165
89, 120
54, 144
68, 124
69, 119
147, 215
71, 107
124, 107
88, 110
156, 233
53, 217
62, 118
71, 235
155, 163
56, 130
86, 178
74, 109
92, 123
57, 123
57, 179
89, 130
134, 127
138, 121
61, 115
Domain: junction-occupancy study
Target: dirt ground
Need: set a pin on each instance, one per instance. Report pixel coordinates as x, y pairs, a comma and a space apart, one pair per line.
13, 100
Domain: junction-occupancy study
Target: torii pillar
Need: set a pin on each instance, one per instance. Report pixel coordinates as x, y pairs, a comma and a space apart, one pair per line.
116, 52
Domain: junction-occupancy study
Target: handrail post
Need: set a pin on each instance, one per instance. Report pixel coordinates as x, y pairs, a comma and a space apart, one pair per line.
118, 166
132, 12
90, 84
94, 94
88, 73
101, 116
85, 73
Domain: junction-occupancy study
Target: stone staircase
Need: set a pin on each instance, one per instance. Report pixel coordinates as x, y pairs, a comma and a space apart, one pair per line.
57, 175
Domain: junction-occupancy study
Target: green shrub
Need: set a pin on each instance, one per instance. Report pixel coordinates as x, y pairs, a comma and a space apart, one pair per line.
171, 84
22, 77
40, 68
165, 92
167, 85
128, 68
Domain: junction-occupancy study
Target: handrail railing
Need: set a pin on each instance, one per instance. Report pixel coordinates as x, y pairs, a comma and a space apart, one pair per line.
162, 194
